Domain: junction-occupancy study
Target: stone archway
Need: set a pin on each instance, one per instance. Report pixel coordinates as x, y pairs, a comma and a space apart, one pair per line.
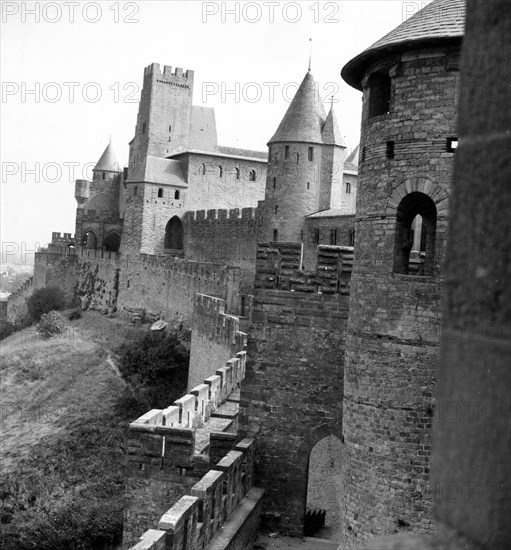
174, 234
322, 453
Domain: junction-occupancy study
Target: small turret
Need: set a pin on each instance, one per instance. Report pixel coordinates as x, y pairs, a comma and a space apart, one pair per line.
107, 162
331, 134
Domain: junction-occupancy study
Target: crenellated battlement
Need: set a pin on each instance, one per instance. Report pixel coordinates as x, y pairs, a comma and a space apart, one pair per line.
57, 237
154, 69
194, 521
278, 266
216, 215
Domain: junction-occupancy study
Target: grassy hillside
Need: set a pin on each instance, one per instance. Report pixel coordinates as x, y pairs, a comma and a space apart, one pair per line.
63, 431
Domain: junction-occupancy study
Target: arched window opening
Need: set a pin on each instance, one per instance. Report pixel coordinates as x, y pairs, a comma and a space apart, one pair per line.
112, 242
379, 94
324, 490
237, 174
160, 193
203, 169
252, 175
177, 194
348, 187
416, 212
275, 235
174, 234
89, 240
220, 171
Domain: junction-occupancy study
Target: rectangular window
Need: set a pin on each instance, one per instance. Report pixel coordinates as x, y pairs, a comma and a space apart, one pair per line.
379, 94
351, 241
311, 153
333, 236
286, 152
274, 183
348, 187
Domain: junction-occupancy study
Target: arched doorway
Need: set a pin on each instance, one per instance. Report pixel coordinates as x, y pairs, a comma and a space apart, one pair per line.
89, 240
174, 234
324, 489
112, 242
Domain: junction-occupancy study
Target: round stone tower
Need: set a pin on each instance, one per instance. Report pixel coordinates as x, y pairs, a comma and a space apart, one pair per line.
409, 81
305, 152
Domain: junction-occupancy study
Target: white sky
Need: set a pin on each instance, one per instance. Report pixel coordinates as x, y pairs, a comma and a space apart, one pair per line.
45, 133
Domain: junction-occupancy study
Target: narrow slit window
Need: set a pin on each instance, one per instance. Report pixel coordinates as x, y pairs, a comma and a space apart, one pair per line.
274, 183
275, 235
311, 154
379, 94
160, 193
348, 187
286, 152
390, 150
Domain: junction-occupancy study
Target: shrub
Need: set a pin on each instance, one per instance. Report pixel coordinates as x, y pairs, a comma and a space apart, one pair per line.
6, 329
155, 364
43, 301
75, 314
51, 324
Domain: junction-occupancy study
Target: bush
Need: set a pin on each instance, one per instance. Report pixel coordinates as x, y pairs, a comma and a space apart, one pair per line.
43, 301
6, 329
75, 314
51, 324
155, 364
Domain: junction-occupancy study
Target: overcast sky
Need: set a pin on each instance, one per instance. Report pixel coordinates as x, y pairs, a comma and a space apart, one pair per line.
72, 71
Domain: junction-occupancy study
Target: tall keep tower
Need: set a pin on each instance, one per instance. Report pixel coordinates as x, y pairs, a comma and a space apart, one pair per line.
304, 154
409, 81
164, 114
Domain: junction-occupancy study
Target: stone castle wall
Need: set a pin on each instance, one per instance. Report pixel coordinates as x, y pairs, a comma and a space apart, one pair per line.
216, 337
224, 236
291, 397
16, 305
167, 454
98, 279
166, 287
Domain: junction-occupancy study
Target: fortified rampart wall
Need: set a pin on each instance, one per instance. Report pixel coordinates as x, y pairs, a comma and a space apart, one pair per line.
291, 397
17, 301
170, 449
98, 279
166, 287
220, 512
216, 337
225, 236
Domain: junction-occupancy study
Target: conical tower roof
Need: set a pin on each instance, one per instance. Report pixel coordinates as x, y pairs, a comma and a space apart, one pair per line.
108, 161
305, 117
331, 134
441, 22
